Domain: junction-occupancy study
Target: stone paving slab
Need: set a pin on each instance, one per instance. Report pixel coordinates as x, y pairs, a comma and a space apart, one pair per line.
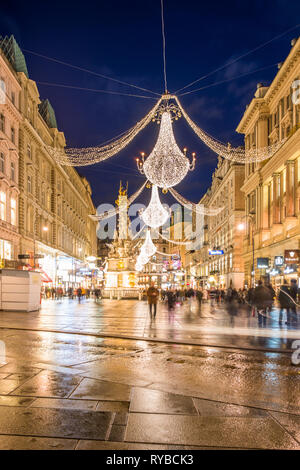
15, 401
107, 445
7, 386
290, 422
64, 404
210, 408
252, 433
113, 406
49, 384
101, 390
42, 422
35, 443
153, 401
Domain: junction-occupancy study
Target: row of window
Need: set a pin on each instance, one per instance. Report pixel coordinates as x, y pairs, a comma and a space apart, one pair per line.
3, 128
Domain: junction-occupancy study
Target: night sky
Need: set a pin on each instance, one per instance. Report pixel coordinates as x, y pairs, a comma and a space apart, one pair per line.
123, 40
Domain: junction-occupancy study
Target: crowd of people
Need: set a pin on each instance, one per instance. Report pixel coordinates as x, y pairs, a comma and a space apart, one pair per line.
58, 293
258, 301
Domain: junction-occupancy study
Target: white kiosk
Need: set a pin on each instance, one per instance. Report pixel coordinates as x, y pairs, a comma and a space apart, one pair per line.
20, 290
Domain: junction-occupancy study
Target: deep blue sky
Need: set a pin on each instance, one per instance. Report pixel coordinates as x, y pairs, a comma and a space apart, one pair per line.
123, 40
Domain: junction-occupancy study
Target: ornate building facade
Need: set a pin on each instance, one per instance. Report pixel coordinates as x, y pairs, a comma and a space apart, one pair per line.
55, 201
10, 119
221, 262
272, 187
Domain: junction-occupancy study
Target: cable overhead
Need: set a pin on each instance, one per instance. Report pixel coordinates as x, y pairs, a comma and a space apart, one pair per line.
238, 58
228, 80
89, 71
61, 85
164, 44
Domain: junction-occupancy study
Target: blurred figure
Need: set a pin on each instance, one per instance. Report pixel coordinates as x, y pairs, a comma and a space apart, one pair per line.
79, 294
232, 300
294, 296
152, 295
199, 296
262, 299
284, 301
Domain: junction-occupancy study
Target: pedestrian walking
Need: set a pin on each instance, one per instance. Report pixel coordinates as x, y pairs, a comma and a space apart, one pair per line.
79, 294
262, 299
152, 295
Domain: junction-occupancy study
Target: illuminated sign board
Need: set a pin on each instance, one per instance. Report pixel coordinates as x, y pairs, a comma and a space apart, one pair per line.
292, 256
262, 263
279, 260
216, 252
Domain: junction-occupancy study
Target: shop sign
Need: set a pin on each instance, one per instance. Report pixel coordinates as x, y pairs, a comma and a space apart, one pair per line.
23, 256
215, 252
262, 263
290, 269
279, 260
292, 256
39, 256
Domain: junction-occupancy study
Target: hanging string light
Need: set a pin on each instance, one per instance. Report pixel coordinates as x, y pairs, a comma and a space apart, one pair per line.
142, 258
236, 154
197, 208
166, 165
91, 155
148, 247
155, 215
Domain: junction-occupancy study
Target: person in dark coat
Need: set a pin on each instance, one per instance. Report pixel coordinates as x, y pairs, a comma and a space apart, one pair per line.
152, 295
294, 294
284, 301
262, 299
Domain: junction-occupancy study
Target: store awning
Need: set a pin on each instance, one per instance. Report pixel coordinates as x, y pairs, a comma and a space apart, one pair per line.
45, 277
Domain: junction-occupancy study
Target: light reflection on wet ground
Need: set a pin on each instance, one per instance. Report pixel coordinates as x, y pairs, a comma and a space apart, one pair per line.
210, 325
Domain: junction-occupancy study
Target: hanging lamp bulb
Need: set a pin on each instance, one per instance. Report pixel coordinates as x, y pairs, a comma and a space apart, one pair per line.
166, 165
148, 247
155, 215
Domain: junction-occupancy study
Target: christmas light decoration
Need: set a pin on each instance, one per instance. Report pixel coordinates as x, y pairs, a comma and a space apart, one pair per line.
155, 215
236, 154
142, 258
91, 155
166, 165
148, 248
197, 208
115, 211
176, 242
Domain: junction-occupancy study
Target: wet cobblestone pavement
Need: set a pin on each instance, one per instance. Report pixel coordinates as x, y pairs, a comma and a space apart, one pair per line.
60, 390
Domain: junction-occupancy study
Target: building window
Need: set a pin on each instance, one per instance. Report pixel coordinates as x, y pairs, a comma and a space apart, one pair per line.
2, 162
12, 171
13, 135
13, 97
13, 211
2, 122
29, 184
2, 205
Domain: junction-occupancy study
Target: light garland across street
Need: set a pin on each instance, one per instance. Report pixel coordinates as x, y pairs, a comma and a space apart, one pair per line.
199, 209
91, 155
236, 154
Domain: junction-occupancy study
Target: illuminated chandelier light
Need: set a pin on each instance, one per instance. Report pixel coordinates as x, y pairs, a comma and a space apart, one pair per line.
91, 155
148, 247
155, 215
236, 154
139, 267
142, 259
166, 165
